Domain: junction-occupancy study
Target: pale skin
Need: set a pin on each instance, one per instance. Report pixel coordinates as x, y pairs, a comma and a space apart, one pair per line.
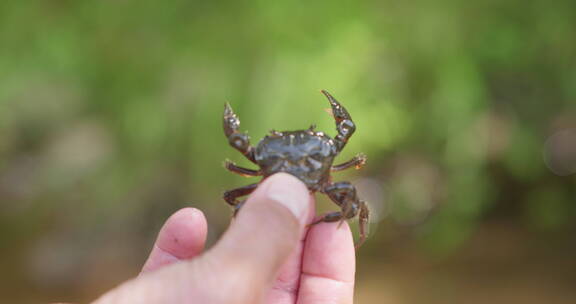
268, 255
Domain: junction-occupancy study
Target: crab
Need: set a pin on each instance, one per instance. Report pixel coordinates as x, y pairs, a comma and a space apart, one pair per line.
305, 154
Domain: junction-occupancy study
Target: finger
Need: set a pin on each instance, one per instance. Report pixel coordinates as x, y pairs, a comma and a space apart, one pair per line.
182, 237
266, 232
328, 265
242, 265
285, 286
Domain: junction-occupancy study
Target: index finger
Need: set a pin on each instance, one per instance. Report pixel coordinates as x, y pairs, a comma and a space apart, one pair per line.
328, 266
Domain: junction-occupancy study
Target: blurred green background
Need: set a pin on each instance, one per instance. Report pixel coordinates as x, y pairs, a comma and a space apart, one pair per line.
110, 120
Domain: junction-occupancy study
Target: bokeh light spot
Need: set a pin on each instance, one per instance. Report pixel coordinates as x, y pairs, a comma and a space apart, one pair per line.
560, 152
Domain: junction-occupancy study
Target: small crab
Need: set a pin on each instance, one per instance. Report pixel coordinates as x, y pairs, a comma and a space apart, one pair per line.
305, 154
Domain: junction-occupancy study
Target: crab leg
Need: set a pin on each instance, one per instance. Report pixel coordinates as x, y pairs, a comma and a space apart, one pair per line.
344, 195
231, 196
344, 124
358, 161
240, 170
240, 141
363, 223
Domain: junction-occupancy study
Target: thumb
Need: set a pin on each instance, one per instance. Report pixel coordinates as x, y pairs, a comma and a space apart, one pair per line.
266, 230
240, 267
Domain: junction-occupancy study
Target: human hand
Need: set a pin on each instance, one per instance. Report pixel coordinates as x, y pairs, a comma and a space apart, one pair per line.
268, 255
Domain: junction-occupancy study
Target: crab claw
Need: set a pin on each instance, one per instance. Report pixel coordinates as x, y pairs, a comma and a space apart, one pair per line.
231, 122
240, 141
338, 111
344, 124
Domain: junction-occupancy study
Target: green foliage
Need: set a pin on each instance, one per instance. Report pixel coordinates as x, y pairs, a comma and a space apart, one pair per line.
113, 108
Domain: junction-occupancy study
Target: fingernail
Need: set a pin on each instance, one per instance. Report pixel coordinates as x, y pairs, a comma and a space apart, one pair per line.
290, 192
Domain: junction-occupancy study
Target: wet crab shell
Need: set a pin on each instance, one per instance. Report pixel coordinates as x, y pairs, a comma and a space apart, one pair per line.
306, 154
